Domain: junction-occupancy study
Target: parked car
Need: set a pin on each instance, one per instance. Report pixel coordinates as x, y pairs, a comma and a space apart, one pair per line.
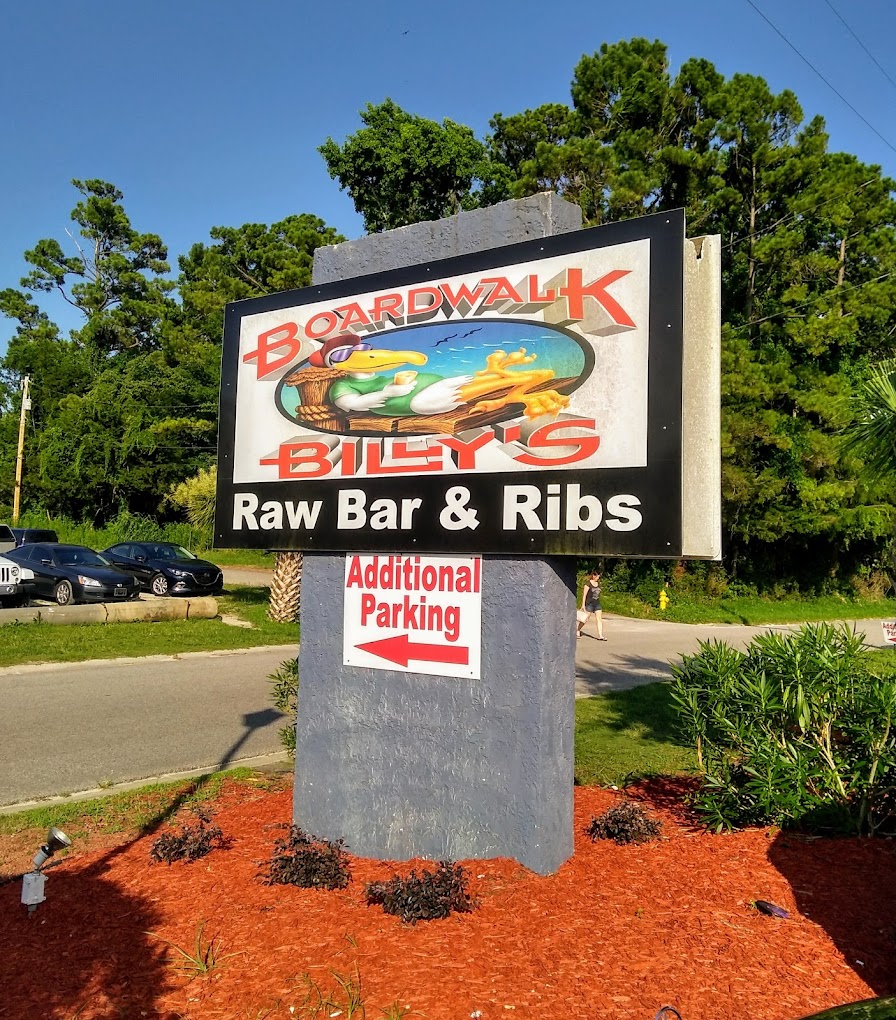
27, 536
12, 591
866, 1009
165, 568
7, 539
73, 573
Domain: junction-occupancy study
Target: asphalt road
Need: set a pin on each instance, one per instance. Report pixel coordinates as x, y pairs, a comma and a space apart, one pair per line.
78, 726
68, 728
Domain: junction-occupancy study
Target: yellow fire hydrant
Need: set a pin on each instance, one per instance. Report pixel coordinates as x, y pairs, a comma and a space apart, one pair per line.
664, 599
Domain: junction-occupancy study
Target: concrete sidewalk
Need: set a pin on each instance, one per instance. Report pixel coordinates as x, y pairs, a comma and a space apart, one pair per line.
641, 651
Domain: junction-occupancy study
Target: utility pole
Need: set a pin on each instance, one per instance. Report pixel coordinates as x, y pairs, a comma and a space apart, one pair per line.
20, 456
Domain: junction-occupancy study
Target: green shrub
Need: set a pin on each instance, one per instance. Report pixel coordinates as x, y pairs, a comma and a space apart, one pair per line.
308, 862
624, 823
125, 527
427, 896
797, 730
285, 695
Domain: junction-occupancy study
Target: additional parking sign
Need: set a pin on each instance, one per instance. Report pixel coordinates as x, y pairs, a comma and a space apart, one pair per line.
889, 630
415, 614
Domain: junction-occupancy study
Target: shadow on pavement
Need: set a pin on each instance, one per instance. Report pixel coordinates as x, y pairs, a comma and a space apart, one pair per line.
619, 673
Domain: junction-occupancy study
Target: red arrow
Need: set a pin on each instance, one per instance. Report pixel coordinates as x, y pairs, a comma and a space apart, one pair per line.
401, 650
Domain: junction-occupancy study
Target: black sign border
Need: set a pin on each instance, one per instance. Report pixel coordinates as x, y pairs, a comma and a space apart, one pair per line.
658, 485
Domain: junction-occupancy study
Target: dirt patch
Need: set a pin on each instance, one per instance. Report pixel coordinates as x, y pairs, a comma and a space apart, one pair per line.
617, 932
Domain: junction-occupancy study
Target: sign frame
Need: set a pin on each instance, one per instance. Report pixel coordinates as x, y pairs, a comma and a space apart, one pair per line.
657, 486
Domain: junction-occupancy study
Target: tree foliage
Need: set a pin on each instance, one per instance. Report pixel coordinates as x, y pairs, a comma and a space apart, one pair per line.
400, 168
195, 498
125, 407
873, 433
809, 288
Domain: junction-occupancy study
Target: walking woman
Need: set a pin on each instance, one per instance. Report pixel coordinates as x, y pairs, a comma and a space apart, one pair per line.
591, 604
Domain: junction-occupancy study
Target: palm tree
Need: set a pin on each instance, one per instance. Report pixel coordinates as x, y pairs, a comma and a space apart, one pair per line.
286, 588
872, 436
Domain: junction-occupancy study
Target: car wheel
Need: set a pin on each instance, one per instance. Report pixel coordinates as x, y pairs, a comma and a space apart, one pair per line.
159, 585
63, 593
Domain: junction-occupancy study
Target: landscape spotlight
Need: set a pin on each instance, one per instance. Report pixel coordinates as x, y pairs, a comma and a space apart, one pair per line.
33, 882
56, 840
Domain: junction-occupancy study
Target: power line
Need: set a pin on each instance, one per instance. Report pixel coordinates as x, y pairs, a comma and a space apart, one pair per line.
798, 215
833, 89
811, 301
859, 41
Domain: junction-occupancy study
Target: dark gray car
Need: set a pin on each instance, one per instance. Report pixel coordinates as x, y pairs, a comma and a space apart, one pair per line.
73, 573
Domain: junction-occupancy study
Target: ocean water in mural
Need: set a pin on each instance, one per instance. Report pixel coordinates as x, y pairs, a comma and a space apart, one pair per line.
436, 377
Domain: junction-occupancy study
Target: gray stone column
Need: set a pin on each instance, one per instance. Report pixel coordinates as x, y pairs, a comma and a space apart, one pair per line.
405, 765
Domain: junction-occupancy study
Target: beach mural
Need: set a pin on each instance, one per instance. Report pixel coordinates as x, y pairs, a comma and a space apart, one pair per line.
433, 378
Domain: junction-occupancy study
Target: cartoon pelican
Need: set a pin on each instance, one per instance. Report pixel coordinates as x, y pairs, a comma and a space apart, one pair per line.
365, 387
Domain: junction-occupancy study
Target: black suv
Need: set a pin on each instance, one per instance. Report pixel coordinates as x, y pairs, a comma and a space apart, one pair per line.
7, 539
28, 536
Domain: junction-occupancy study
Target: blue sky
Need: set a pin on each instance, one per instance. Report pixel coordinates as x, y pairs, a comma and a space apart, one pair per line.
210, 114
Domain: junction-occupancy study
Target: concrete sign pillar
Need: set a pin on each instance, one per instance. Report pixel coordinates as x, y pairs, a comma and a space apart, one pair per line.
403, 764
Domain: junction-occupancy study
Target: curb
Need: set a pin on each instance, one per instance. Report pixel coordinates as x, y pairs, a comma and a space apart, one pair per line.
202, 608
44, 667
100, 793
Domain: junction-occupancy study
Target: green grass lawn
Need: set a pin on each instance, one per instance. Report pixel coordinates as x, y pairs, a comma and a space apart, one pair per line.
122, 812
41, 642
238, 557
624, 735
751, 610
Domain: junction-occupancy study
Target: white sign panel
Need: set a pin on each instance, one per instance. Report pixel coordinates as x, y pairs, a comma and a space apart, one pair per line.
415, 614
889, 630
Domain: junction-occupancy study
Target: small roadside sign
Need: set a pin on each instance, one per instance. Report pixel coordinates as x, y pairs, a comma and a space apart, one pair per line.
889, 630
414, 614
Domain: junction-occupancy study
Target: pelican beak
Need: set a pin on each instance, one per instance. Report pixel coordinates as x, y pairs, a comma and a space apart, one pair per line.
378, 361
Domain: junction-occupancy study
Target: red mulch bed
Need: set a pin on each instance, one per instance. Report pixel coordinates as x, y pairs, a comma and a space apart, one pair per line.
618, 932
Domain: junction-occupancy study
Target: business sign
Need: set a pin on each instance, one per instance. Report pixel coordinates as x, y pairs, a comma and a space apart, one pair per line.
524, 399
416, 614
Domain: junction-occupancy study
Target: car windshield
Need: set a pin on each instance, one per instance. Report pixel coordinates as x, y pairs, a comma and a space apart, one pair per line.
163, 551
77, 556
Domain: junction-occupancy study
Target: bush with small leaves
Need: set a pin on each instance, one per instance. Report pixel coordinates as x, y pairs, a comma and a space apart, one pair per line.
627, 822
426, 896
192, 842
285, 695
309, 862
